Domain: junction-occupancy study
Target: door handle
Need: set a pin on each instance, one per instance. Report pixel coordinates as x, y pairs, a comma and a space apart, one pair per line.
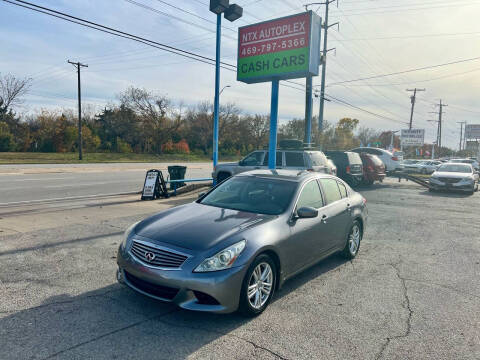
257, 167
324, 219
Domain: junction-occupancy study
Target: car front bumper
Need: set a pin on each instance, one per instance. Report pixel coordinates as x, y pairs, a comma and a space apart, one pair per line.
217, 291
452, 186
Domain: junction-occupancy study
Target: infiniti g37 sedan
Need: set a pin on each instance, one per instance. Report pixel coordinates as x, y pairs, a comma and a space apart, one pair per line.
237, 244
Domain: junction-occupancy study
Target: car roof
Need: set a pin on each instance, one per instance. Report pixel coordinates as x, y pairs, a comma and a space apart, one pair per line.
281, 174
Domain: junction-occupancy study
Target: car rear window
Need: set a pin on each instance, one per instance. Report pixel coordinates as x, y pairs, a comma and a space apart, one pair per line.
294, 159
332, 192
318, 158
354, 158
343, 189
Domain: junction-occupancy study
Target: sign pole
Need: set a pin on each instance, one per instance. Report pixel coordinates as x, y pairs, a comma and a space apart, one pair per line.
216, 104
272, 149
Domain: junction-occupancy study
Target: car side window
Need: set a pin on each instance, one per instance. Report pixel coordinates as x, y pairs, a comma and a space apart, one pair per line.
331, 190
310, 196
278, 160
254, 159
294, 159
343, 190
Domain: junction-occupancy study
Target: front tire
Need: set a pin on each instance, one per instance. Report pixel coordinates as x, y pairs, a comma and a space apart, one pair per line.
354, 239
258, 286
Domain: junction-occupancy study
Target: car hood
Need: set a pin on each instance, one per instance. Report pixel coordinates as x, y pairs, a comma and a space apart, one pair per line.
227, 164
451, 175
197, 227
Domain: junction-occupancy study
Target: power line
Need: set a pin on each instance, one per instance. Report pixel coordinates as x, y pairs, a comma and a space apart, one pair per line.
361, 109
114, 32
404, 71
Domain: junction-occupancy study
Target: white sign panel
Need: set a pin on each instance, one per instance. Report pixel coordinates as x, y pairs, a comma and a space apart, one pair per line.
413, 137
472, 131
150, 182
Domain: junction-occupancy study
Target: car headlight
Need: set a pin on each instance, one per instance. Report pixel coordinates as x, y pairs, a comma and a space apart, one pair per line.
126, 236
433, 179
467, 180
223, 259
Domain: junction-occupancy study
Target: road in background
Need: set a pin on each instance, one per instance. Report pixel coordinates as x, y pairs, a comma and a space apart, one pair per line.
40, 182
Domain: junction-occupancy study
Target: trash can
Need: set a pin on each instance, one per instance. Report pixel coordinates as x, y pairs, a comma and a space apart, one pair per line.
177, 172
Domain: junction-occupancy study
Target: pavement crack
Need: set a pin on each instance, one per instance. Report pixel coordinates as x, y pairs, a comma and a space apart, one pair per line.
109, 333
255, 345
407, 306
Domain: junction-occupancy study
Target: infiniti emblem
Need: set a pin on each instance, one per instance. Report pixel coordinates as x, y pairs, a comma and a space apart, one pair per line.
149, 256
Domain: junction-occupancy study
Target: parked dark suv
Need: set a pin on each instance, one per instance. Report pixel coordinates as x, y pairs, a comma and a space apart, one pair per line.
349, 166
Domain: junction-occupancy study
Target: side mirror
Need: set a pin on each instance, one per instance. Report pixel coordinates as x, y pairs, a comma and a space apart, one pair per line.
307, 212
241, 163
200, 195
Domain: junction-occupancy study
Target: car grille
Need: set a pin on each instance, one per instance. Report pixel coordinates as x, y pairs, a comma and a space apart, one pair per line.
157, 257
161, 291
449, 180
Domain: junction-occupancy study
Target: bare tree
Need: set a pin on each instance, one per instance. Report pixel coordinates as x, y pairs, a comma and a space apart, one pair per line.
12, 90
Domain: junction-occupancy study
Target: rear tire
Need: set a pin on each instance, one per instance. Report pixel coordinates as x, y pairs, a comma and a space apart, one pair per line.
354, 238
259, 280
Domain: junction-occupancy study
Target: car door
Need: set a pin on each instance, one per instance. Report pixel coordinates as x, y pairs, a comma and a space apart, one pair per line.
336, 213
307, 236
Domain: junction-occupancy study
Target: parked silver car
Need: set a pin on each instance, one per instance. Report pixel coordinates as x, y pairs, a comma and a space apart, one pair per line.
236, 245
455, 176
312, 160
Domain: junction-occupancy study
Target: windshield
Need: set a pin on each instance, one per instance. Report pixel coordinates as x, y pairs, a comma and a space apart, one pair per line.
465, 161
455, 168
252, 194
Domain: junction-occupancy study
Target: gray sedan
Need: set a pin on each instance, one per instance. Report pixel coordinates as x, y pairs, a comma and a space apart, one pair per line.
238, 243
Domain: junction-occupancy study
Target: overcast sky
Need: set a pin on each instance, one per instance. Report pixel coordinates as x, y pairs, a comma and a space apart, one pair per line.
376, 37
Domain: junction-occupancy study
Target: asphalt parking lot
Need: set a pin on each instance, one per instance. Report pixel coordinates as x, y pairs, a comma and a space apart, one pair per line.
413, 292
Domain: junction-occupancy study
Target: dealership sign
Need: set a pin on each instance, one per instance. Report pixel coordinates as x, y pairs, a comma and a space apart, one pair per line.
413, 137
472, 131
284, 48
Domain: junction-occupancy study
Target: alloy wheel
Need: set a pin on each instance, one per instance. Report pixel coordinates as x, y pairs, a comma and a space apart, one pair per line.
354, 239
260, 285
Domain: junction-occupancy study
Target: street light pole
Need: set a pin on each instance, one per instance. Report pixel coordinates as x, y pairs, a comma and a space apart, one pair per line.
231, 12
216, 104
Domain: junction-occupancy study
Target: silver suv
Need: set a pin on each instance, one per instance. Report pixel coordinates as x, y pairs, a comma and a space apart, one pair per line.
312, 160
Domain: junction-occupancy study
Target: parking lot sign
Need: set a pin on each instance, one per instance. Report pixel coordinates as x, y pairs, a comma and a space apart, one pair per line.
413, 137
284, 48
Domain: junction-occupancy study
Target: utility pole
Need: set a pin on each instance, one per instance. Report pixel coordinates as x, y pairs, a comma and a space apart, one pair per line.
413, 99
440, 113
325, 27
307, 139
78, 66
461, 134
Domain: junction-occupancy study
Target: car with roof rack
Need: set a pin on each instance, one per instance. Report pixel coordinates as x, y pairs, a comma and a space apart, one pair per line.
291, 155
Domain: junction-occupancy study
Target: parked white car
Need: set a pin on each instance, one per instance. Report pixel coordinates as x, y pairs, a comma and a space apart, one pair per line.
474, 163
392, 162
427, 166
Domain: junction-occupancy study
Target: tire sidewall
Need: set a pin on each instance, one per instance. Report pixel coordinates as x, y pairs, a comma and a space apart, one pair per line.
346, 250
244, 305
